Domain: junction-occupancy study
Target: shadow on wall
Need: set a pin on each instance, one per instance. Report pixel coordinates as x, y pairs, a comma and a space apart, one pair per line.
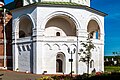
26, 52
24, 48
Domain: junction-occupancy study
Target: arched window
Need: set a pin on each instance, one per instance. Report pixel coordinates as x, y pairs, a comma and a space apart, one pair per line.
57, 33
93, 29
25, 27
91, 64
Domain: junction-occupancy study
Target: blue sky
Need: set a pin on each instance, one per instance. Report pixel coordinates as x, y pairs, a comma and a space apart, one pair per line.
112, 20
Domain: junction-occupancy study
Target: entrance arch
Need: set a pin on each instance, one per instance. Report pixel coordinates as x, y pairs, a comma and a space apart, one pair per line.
60, 63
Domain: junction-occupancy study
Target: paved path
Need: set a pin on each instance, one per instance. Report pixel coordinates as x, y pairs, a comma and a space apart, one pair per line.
12, 75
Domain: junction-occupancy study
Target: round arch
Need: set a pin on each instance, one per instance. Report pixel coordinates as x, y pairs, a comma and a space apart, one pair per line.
97, 19
22, 19
94, 27
60, 13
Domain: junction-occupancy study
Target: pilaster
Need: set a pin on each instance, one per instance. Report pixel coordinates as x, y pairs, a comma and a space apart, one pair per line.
15, 51
83, 33
37, 51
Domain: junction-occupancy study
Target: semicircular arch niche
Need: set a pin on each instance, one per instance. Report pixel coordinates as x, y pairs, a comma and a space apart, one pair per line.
93, 29
60, 26
25, 27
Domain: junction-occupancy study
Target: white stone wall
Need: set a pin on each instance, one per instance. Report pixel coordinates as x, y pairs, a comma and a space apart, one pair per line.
45, 48
25, 55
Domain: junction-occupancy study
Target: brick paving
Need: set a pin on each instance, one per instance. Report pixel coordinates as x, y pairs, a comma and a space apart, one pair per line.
12, 75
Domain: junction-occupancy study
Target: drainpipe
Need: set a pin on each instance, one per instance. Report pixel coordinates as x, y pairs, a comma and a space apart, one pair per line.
77, 52
4, 22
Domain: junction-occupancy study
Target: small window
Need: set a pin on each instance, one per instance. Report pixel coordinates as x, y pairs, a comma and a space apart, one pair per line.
91, 64
57, 33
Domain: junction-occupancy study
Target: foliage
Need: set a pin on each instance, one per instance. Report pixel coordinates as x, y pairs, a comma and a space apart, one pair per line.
94, 76
86, 51
112, 68
62, 77
117, 57
87, 47
81, 77
45, 78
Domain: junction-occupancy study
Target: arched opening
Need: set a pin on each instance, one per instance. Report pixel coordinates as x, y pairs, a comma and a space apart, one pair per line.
57, 33
25, 27
93, 29
60, 63
91, 64
60, 26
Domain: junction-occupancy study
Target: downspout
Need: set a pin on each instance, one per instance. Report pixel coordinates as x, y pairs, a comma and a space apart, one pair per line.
77, 52
4, 22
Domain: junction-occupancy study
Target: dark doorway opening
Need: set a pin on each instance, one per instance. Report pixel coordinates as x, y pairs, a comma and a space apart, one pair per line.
59, 65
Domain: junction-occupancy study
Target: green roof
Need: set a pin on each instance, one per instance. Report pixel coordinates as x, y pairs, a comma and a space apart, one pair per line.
12, 6
58, 3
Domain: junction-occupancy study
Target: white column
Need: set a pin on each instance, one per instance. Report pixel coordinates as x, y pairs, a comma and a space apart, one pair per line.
77, 61
4, 24
37, 52
15, 51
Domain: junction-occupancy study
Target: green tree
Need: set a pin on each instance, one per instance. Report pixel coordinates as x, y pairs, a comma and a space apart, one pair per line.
86, 50
117, 57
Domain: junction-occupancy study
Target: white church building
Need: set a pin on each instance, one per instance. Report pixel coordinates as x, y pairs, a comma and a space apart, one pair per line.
44, 30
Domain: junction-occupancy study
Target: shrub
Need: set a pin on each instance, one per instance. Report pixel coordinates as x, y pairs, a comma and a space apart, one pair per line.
81, 77
56, 77
45, 78
63, 77
98, 73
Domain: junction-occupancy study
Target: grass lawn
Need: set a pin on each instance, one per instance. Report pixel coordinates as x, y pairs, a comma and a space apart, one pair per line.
112, 68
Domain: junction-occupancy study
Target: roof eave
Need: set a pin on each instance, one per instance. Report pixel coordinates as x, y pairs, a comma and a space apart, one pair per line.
68, 5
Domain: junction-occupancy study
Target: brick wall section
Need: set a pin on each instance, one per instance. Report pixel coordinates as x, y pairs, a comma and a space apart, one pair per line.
9, 40
1, 40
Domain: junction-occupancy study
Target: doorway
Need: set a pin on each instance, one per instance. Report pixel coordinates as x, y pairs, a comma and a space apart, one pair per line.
60, 63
